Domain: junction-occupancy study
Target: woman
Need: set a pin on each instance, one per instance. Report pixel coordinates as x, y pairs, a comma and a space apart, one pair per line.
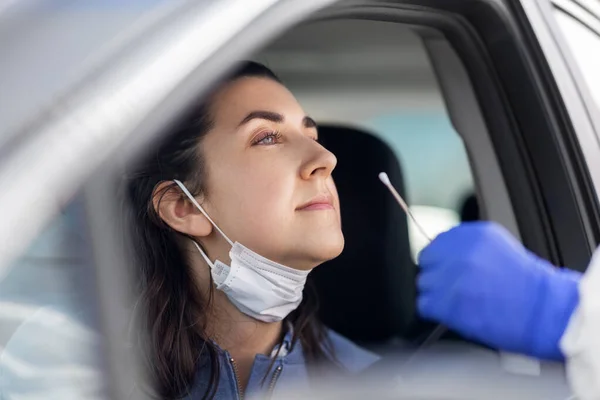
232, 212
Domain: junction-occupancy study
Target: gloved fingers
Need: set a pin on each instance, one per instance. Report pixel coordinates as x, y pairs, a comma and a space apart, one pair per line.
444, 246
437, 293
426, 307
439, 275
460, 238
440, 292
430, 280
437, 308
435, 252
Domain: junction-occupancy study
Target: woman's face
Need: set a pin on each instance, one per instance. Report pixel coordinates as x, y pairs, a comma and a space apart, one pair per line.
269, 183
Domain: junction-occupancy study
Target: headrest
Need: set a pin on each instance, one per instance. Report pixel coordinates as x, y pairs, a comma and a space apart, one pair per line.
469, 211
368, 293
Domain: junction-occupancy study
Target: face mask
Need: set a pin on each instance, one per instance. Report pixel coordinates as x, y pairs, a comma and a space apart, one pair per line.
257, 286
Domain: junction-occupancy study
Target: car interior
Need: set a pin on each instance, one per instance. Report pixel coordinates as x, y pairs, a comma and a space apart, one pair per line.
367, 293
372, 89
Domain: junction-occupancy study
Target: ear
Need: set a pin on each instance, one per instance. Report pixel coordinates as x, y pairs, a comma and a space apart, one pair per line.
177, 211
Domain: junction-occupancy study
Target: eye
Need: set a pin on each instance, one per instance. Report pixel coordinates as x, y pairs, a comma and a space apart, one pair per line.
267, 138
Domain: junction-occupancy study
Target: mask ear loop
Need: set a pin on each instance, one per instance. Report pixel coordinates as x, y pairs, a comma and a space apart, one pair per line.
210, 263
193, 200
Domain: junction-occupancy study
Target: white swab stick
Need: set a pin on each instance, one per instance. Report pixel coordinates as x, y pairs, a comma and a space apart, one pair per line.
386, 181
440, 329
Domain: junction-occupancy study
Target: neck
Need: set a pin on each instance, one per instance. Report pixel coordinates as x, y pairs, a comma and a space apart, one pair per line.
242, 336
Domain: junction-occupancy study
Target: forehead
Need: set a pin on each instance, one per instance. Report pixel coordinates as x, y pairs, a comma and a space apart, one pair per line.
236, 99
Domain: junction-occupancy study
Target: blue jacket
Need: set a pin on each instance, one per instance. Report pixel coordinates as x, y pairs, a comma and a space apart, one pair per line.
288, 370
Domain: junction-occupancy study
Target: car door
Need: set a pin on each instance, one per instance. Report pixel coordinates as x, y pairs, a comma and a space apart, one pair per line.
80, 78
566, 31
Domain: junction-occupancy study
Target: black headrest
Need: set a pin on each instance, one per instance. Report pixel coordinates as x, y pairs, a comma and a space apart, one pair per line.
368, 292
470, 209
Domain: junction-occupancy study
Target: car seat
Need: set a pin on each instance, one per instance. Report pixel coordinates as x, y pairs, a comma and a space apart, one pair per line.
367, 293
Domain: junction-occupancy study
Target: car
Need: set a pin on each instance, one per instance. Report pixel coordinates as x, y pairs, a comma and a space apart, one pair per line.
477, 109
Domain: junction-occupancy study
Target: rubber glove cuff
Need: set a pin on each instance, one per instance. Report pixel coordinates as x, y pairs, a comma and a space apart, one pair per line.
554, 311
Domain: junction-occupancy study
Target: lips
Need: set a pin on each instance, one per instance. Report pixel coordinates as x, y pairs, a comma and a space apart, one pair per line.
319, 202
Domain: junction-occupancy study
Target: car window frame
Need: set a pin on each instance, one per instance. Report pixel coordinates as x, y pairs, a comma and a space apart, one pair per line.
579, 106
91, 103
577, 128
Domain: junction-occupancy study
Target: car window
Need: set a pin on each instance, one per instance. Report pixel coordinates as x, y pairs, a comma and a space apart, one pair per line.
435, 164
50, 344
385, 84
584, 43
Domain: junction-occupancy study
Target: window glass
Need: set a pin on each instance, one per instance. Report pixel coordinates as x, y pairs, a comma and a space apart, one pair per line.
435, 164
50, 343
585, 45
50, 347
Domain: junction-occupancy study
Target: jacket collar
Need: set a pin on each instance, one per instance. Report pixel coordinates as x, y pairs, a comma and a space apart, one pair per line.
285, 351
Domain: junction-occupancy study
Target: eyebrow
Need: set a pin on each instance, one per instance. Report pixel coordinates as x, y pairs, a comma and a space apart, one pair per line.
307, 121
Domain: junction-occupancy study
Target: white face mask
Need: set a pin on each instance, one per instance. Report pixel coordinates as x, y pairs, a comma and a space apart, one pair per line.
257, 286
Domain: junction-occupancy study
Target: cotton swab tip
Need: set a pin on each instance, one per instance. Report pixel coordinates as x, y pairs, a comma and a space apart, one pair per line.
384, 178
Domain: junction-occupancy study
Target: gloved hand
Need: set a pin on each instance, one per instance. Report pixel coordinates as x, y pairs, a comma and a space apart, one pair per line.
480, 281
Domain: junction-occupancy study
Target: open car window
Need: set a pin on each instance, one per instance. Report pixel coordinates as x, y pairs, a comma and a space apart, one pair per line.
50, 336
383, 83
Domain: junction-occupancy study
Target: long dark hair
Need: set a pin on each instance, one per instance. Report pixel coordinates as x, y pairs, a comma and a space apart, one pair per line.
171, 310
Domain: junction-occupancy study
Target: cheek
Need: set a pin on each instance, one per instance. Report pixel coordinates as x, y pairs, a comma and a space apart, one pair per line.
266, 188
333, 190
264, 215
253, 201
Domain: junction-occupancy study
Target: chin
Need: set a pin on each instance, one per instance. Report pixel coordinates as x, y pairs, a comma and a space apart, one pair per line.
329, 247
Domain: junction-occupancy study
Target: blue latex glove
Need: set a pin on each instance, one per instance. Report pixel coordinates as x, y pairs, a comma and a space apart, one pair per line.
478, 280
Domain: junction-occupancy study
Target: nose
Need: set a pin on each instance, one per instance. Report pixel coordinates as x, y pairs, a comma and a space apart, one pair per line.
319, 162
